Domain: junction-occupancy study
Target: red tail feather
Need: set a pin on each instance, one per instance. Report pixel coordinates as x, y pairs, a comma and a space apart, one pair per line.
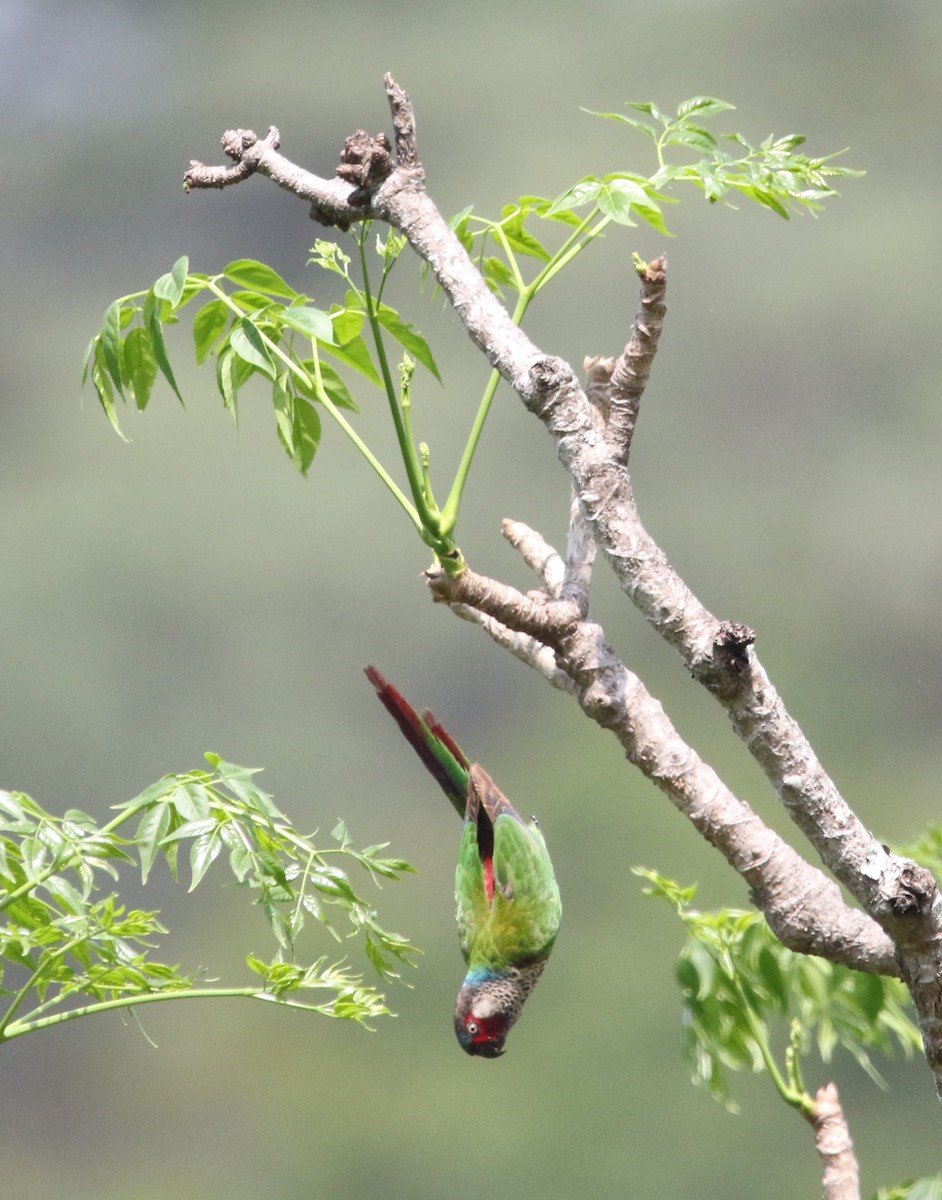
426, 736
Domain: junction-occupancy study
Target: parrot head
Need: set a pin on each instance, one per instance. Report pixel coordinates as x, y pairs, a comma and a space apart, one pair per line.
480, 1027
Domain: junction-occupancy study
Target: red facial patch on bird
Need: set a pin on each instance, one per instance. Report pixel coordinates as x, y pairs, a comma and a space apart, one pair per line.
489, 879
486, 1030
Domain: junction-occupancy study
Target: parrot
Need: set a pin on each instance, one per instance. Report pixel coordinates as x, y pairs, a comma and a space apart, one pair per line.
506, 897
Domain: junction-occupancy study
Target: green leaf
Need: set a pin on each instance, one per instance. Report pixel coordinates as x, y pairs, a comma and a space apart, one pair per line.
766, 198
170, 287
140, 365
869, 992
312, 322
203, 853
643, 126
497, 274
111, 345
330, 257
519, 237
258, 277
460, 224
703, 106
409, 337
101, 381
195, 827
247, 342
152, 321
60, 889
694, 136
347, 324
208, 325
232, 372
356, 354
586, 191
616, 202
255, 303
333, 384
773, 977
545, 208
644, 106
192, 286
298, 424
151, 831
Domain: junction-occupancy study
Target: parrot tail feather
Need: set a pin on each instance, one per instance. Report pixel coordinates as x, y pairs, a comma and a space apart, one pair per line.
436, 748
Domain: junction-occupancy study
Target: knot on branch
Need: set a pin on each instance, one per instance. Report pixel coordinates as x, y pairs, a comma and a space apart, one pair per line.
915, 891
552, 392
365, 162
725, 669
731, 644
237, 142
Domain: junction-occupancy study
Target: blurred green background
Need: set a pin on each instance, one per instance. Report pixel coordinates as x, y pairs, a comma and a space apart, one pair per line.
190, 592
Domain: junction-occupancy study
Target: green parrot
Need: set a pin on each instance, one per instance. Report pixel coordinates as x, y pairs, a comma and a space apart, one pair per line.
507, 901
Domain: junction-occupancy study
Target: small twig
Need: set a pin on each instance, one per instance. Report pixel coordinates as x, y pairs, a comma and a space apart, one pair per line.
537, 553
244, 147
403, 118
529, 650
633, 368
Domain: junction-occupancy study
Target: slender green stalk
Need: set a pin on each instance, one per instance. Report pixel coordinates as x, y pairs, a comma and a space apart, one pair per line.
407, 446
792, 1096
44, 964
19, 1028
574, 244
577, 241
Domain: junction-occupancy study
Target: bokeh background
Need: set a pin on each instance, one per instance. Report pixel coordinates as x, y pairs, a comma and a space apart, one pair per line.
188, 591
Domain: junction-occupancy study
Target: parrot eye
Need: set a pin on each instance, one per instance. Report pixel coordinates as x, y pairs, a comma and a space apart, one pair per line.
473, 1027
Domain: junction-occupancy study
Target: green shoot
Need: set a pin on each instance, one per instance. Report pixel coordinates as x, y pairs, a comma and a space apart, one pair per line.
68, 951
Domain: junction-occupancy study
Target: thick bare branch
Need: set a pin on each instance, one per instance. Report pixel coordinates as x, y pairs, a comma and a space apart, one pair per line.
803, 907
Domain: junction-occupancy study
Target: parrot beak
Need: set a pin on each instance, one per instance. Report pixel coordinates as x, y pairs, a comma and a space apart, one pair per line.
489, 1049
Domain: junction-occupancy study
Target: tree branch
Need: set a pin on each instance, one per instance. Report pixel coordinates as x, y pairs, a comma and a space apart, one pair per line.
840, 1172
802, 906
899, 896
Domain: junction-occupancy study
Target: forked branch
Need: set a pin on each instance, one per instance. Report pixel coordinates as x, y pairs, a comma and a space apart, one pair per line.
900, 929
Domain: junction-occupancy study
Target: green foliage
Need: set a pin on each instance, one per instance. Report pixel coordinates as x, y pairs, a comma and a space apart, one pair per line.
774, 174
929, 1188
253, 324
739, 982
72, 952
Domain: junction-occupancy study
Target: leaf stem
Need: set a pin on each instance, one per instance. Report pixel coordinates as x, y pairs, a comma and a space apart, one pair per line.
791, 1095
574, 244
428, 517
19, 1028
44, 963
